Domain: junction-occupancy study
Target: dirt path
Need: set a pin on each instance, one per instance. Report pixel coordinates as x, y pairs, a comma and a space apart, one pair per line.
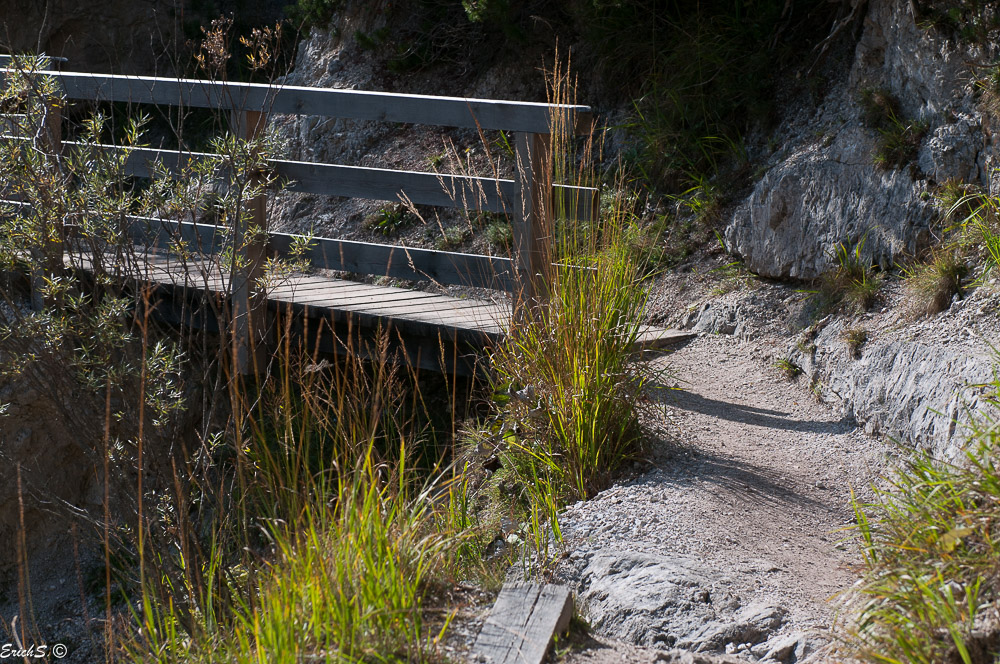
732, 541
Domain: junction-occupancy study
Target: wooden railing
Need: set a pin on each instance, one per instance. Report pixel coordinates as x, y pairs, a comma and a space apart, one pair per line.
529, 198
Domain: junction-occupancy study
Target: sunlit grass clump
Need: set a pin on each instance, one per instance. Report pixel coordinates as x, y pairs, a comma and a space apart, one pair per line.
572, 384
346, 584
933, 284
931, 550
569, 386
341, 544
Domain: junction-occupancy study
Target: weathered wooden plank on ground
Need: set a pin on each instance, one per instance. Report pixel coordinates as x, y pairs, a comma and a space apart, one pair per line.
522, 623
652, 338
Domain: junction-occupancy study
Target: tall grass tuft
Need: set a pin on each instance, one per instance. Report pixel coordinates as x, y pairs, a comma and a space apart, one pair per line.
341, 544
571, 387
569, 371
852, 282
931, 550
932, 285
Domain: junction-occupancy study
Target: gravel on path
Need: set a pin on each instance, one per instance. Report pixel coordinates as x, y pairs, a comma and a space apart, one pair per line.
733, 540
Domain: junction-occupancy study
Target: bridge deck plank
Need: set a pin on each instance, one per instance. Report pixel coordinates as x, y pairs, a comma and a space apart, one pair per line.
428, 314
321, 293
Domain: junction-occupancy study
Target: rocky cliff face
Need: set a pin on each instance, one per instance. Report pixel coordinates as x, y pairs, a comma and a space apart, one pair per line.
916, 382
824, 187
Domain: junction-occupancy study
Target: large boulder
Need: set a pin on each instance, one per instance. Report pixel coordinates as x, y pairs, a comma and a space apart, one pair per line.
669, 601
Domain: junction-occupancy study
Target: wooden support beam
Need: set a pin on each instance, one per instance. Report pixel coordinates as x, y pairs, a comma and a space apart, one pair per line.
532, 220
249, 311
53, 233
523, 622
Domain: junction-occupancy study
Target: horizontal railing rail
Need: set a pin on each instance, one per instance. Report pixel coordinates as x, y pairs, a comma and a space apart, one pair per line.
444, 267
531, 117
420, 188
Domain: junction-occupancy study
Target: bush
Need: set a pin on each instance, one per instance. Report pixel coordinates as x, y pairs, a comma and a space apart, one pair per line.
978, 233
855, 338
879, 107
898, 144
970, 21
500, 235
956, 200
451, 238
703, 75
574, 390
390, 219
788, 369
306, 14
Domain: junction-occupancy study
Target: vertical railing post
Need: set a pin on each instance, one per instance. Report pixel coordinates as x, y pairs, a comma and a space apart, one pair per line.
249, 322
53, 239
532, 220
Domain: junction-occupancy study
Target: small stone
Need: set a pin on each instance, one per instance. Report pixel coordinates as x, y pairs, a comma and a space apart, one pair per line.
783, 649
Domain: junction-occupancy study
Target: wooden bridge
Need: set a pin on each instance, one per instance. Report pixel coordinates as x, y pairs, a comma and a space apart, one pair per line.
428, 322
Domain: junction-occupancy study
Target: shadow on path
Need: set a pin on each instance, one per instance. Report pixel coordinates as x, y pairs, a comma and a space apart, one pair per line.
749, 415
693, 469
